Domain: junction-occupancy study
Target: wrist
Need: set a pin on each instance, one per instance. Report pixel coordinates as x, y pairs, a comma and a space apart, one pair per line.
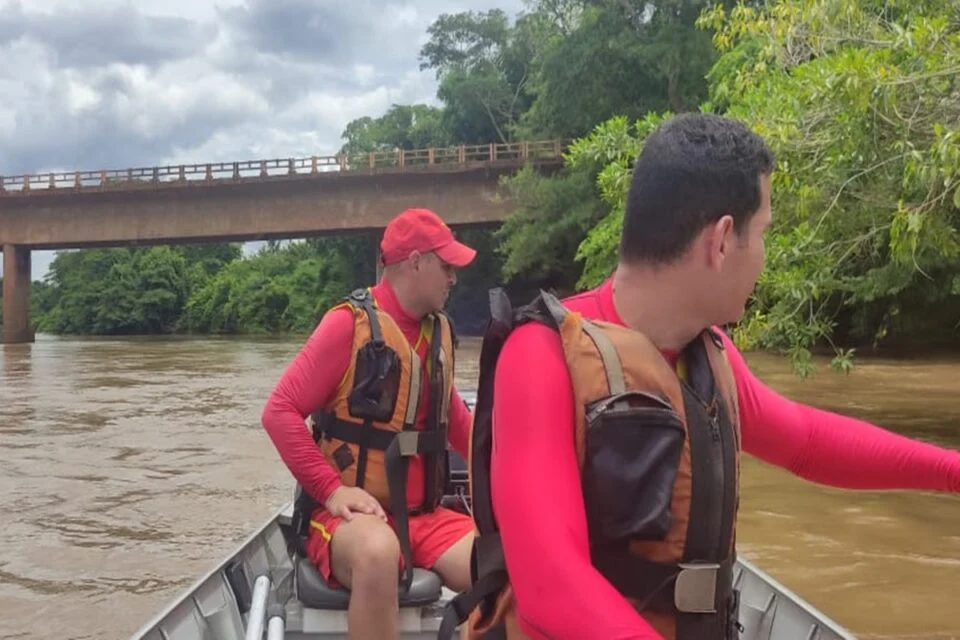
328, 489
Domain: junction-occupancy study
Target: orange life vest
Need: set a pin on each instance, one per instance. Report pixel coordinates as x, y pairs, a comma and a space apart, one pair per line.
368, 430
659, 459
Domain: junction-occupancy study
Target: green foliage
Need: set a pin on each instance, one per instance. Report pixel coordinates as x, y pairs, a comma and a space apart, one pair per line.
467, 304
278, 290
199, 288
415, 126
620, 58
593, 62
862, 106
564, 65
483, 64
576, 216
539, 240
615, 145
861, 103
115, 291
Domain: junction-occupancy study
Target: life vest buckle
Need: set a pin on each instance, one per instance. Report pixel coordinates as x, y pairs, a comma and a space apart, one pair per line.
408, 442
695, 590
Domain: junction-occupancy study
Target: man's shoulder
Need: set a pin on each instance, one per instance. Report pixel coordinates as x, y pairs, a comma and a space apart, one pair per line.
531, 342
531, 356
342, 311
336, 324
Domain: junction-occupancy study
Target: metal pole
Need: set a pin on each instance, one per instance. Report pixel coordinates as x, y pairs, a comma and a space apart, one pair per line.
276, 629
258, 608
277, 614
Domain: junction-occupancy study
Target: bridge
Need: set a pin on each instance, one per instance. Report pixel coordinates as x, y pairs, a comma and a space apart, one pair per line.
247, 201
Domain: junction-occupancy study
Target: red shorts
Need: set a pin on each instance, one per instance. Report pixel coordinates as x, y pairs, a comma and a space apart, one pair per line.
431, 535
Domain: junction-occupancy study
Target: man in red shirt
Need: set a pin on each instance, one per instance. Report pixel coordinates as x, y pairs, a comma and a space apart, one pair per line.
353, 539
691, 250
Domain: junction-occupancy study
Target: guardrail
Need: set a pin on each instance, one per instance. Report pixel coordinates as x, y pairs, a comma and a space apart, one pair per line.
380, 161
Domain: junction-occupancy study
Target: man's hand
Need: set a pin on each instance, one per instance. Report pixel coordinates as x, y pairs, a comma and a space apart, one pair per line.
346, 501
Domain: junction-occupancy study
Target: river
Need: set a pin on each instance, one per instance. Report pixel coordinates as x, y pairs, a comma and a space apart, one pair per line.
131, 465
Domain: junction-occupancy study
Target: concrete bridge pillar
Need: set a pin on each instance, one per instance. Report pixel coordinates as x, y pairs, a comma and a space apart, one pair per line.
16, 294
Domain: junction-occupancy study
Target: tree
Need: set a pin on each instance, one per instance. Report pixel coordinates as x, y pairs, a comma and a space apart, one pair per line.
402, 127
861, 102
540, 238
620, 58
483, 65
614, 145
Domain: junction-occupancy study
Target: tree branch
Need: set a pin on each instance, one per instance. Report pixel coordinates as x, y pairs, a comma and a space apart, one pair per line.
952, 71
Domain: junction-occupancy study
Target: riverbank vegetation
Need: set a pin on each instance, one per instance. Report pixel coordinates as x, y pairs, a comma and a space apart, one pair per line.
859, 99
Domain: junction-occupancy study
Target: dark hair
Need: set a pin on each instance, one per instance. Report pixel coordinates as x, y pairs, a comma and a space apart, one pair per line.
694, 169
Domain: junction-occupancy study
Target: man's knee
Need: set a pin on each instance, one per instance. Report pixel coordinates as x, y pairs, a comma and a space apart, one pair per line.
368, 552
377, 558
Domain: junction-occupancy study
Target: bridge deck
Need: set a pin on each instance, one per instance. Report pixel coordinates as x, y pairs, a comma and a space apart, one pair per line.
432, 160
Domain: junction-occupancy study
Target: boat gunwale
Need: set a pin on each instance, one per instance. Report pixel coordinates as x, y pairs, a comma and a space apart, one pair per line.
819, 615
189, 592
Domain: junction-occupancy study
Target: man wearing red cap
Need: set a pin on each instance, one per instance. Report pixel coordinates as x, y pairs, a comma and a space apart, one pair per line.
361, 534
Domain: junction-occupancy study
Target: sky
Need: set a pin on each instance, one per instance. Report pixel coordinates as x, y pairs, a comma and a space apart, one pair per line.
110, 84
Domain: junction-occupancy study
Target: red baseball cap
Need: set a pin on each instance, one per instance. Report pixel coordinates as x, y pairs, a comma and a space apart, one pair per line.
422, 230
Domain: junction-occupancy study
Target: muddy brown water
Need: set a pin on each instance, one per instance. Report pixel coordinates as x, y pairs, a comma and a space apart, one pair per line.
130, 466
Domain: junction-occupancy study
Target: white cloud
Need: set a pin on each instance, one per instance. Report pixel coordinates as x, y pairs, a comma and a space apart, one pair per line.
197, 10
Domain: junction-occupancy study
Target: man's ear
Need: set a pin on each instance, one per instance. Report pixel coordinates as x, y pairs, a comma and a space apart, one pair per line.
720, 239
415, 258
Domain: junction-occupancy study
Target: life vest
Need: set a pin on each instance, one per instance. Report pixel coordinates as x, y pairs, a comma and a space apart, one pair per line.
368, 430
659, 459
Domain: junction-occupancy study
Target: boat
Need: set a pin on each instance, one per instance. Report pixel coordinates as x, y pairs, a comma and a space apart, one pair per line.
266, 589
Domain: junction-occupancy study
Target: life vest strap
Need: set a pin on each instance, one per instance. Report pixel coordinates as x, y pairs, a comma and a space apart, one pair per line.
363, 299
409, 442
437, 412
488, 577
483, 591
303, 506
487, 556
688, 587
352, 432
608, 354
403, 446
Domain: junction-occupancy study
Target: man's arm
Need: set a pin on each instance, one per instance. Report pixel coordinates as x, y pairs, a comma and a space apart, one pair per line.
309, 383
538, 502
459, 421
833, 449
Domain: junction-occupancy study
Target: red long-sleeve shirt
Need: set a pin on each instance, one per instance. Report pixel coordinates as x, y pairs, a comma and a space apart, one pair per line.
311, 381
536, 487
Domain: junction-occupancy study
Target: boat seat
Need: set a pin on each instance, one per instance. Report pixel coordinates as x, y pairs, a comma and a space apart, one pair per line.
314, 592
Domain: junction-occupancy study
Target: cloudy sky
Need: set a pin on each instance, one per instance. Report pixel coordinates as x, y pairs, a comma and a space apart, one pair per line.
102, 84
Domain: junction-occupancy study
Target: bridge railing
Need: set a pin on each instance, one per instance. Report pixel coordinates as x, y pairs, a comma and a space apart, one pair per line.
393, 160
